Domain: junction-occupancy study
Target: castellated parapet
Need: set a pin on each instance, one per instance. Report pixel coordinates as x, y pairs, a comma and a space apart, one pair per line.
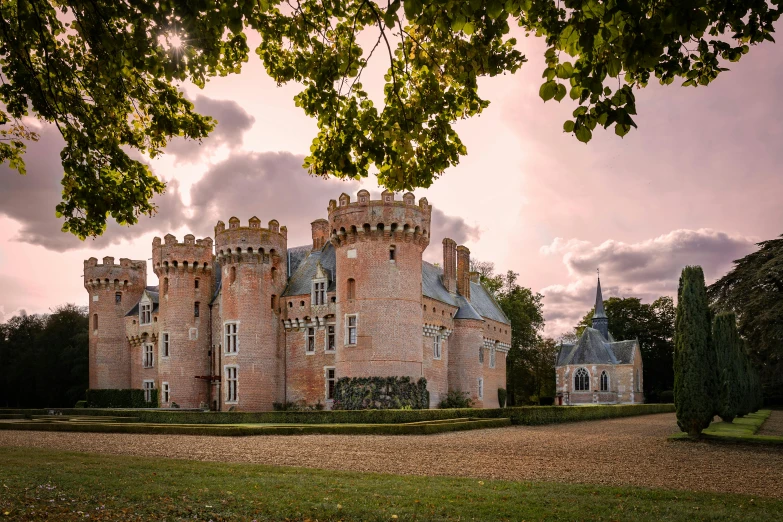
250, 243
114, 289
378, 251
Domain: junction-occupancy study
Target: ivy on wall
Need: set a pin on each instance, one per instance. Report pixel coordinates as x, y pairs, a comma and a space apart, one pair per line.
380, 393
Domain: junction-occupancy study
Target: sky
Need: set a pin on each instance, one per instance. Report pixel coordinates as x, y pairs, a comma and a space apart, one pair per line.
699, 182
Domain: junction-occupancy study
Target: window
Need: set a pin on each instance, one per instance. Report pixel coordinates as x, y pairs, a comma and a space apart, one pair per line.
350, 329
319, 293
604, 381
148, 387
581, 380
392, 253
118, 297
165, 285
164, 345
146, 313
232, 382
149, 357
436, 347
331, 380
196, 284
330, 344
351, 289
273, 302
166, 392
491, 357
481, 355
233, 275
480, 388
94, 321
638, 382
310, 344
231, 341
196, 307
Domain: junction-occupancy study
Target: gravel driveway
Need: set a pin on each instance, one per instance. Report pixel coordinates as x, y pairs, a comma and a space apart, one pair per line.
629, 451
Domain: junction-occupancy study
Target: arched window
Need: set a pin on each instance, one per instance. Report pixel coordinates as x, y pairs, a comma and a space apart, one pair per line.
604, 381
581, 380
165, 285
351, 289
392, 253
233, 276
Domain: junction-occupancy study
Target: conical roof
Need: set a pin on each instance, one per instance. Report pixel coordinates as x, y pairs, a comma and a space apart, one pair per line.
599, 303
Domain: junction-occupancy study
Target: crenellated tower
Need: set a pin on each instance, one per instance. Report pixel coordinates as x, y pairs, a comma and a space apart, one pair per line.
378, 248
185, 278
114, 289
253, 264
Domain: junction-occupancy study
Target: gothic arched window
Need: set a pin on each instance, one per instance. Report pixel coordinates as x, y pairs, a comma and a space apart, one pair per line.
581, 380
604, 381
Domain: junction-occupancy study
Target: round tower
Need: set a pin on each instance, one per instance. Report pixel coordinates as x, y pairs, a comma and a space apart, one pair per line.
185, 278
378, 248
114, 289
253, 264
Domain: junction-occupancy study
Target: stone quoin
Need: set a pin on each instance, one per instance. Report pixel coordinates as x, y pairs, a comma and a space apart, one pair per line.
246, 321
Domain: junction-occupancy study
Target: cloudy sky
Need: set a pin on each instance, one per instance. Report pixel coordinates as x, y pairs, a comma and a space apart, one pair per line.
698, 183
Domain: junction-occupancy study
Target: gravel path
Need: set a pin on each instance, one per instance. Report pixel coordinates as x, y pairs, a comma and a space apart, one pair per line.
773, 425
629, 451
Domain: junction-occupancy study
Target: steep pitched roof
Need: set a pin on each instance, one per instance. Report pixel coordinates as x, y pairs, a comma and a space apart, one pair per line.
592, 348
485, 304
306, 268
599, 313
432, 284
481, 305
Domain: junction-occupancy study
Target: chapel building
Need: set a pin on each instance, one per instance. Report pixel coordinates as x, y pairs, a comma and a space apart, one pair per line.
598, 369
245, 321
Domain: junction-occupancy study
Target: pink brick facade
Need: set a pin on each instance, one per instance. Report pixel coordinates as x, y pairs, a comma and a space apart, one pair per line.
252, 322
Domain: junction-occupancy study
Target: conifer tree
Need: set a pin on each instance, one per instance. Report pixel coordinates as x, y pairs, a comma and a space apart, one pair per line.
694, 356
730, 371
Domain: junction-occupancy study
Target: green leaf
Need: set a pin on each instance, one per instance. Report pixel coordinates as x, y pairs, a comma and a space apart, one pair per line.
583, 134
412, 9
621, 129
548, 90
568, 126
561, 92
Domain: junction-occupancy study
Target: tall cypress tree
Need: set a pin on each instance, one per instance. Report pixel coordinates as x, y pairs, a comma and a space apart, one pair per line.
728, 346
694, 356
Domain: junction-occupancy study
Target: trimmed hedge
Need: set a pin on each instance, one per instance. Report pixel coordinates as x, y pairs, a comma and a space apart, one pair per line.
380, 393
121, 399
502, 394
522, 415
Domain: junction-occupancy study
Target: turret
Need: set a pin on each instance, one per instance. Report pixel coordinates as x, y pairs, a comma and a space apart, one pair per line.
252, 260
379, 244
185, 276
114, 289
600, 320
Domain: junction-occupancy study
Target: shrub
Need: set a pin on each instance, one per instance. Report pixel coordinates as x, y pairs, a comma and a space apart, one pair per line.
174, 405
546, 401
81, 404
666, 397
121, 399
502, 397
380, 393
728, 346
297, 406
456, 399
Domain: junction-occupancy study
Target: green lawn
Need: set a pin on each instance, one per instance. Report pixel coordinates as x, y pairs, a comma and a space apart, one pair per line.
742, 429
68, 486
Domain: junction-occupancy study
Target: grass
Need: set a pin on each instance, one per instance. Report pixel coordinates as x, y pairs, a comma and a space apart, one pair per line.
742, 430
68, 486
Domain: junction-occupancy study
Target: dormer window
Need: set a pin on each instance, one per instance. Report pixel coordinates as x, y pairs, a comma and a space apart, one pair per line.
145, 316
319, 292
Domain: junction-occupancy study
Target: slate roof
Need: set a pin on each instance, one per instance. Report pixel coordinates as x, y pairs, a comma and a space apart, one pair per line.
295, 257
592, 348
302, 276
432, 284
485, 304
152, 291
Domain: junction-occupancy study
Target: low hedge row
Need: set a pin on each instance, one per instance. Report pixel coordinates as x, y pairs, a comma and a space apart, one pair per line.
522, 415
121, 399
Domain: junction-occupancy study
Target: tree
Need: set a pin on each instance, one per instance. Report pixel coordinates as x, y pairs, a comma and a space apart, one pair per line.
108, 75
694, 356
653, 326
730, 371
753, 290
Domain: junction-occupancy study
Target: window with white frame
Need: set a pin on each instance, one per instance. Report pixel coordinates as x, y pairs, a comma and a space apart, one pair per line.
166, 392
319, 292
480, 388
148, 386
436, 347
330, 344
148, 354
310, 340
351, 322
481, 355
164, 344
145, 316
232, 383
231, 339
331, 381
492, 357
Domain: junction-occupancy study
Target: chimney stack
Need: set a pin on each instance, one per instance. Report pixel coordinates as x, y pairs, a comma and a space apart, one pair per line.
463, 271
450, 265
320, 229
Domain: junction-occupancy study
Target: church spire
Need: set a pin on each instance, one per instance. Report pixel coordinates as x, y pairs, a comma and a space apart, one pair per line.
600, 321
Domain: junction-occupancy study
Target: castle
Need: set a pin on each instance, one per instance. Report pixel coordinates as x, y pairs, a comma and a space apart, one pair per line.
598, 369
246, 321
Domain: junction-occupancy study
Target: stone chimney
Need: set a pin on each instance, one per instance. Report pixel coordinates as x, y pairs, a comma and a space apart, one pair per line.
463, 271
320, 229
450, 265
475, 277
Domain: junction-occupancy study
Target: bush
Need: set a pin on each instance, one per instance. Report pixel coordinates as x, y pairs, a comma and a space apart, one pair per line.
456, 399
546, 401
120, 399
81, 404
502, 397
666, 397
380, 393
297, 406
